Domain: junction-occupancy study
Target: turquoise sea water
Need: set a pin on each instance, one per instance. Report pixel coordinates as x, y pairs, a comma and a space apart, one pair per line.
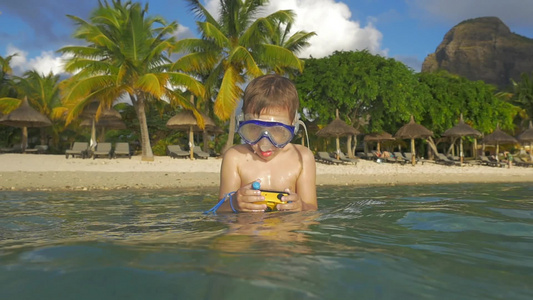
472, 241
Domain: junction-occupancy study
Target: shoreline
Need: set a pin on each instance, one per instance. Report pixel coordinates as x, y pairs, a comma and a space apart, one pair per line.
31, 172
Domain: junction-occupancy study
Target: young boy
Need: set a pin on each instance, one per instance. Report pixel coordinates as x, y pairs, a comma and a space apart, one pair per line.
270, 115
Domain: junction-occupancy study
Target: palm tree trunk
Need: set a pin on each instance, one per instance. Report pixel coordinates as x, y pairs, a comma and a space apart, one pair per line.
413, 155
461, 154
147, 154
432, 145
475, 148
349, 146
352, 150
231, 132
337, 144
191, 143
24, 139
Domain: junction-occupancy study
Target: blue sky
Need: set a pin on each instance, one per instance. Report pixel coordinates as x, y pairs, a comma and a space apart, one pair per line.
407, 30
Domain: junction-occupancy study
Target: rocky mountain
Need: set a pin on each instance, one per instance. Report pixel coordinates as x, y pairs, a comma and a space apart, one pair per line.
483, 49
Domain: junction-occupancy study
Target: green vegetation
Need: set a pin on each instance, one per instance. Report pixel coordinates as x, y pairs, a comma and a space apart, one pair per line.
523, 95
236, 48
127, 53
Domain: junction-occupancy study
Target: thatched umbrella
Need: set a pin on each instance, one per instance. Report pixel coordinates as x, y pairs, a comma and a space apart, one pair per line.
459, 131
499, 137
25, 116
337, 128
103, 124
379, 137
527, 136
413, 131
186, 120
91, 111
108, 124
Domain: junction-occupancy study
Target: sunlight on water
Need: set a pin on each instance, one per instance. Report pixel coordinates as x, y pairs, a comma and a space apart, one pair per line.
424, 242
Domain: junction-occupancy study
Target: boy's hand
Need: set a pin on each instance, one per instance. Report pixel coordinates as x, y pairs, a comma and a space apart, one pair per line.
294, 202
245, 197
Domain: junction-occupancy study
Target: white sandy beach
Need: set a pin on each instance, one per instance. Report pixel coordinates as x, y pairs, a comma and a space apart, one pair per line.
55, 172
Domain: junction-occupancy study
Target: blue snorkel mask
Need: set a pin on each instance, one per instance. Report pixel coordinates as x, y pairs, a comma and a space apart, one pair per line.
279, 134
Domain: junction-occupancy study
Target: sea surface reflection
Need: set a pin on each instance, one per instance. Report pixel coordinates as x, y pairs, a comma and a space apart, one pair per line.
424, 242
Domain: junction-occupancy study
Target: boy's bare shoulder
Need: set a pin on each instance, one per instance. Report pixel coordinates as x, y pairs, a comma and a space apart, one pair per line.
237, 151
304, 152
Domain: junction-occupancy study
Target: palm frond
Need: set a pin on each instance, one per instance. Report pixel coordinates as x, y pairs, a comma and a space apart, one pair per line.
201, 62
8, 104
153, 84
194, 45
240, 55
228, 95
59, 113
276, 56
182, 79
213, 33
79, 89
200, 11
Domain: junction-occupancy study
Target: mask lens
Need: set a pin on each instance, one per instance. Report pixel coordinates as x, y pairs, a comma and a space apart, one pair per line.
253, 131
250, 132
280, 134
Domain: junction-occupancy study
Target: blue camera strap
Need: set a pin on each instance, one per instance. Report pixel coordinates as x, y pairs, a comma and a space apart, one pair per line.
217, 206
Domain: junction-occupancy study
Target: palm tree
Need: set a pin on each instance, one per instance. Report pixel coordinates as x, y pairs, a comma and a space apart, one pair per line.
42, 92
233, 49
126, 55
295, 42
8, 93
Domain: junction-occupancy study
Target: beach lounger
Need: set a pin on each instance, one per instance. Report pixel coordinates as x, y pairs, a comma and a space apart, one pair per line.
78, 149
400, 158
484, 160
346, 159
521, 163
325, 158
39, 149
408, 157
371, 156
389, 158
199, 153
175, 151
17, 148
122, 149
103, 149
442, 159
364, 155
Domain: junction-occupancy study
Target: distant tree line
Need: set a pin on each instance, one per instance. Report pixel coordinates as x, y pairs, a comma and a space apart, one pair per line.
127, 53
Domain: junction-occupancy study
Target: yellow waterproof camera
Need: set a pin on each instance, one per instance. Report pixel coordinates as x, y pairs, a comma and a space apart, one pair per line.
272, 198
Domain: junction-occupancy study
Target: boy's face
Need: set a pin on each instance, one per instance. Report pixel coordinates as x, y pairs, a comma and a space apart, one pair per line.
264, 148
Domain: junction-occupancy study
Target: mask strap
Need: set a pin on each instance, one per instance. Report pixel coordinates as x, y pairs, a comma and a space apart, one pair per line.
239, 118
305, 129
297, 124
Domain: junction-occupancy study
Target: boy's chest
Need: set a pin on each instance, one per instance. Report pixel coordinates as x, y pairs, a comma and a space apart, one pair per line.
274, 175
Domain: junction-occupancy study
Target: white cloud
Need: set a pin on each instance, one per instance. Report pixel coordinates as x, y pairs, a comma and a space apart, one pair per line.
332, 23
184, 32
512, 12
45, 63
